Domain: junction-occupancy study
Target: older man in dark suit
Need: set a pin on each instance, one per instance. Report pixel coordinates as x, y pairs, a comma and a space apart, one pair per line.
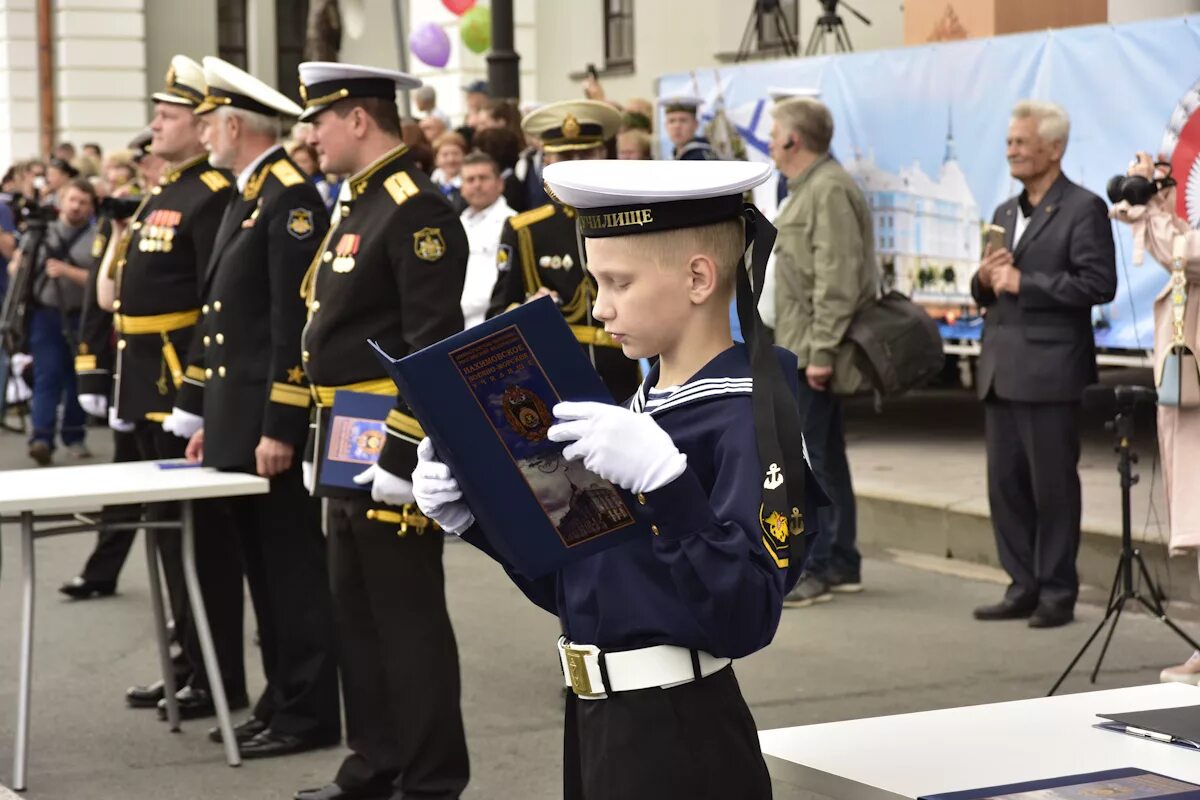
1038, 355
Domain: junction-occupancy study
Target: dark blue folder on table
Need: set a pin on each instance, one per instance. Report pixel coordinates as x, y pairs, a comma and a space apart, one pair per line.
354, 438
484, 397
1127, 784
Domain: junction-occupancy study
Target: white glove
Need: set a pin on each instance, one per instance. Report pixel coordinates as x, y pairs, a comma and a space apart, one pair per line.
117, 424
620, 446
183, 424
385, 487
438, 494
307, 475
94, 404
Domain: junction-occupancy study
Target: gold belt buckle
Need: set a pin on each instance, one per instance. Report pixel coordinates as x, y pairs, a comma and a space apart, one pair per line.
577, 671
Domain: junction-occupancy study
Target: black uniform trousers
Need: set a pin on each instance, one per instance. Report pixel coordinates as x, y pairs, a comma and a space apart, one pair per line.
283, 553
218, 566
112, 547
696, 741
836, 543
399, 660
1033, 489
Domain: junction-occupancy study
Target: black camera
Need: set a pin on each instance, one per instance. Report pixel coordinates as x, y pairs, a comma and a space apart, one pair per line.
36, 213
1137, 190
118, 207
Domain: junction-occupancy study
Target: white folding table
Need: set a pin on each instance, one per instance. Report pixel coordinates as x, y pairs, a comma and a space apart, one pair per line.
910, 755
62, 500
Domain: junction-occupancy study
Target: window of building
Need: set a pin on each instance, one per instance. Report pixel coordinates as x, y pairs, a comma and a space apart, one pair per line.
618, 34
231, 31
291, 22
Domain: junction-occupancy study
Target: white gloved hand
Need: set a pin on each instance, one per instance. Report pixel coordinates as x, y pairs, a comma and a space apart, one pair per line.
95, 405
385, 487
183, 424
117, 424
437, 492
628, 449
307, 475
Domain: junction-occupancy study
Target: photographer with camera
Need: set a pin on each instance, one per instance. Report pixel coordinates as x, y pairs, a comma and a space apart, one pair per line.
60, 270
1145, 199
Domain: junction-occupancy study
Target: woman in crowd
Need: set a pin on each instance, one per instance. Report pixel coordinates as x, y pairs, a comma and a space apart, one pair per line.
449, 149
306, 158
1159, 230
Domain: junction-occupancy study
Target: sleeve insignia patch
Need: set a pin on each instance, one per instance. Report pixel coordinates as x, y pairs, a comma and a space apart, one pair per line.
98, 245
775, 535
428, 244
300, 223
504, 257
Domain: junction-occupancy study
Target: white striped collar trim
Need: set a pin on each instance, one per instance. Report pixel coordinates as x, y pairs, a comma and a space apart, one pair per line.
693, 392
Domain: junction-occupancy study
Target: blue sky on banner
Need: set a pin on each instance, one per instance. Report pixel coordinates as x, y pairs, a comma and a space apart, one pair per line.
1120, 85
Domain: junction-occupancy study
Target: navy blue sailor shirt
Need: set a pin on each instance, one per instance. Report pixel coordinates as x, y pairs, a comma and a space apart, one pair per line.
710, 579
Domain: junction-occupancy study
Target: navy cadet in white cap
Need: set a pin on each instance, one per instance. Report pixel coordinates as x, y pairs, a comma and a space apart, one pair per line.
710, 445
391, 269
255, 405
682, 123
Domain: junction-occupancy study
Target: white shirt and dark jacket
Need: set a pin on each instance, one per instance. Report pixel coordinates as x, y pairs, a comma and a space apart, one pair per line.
483, 234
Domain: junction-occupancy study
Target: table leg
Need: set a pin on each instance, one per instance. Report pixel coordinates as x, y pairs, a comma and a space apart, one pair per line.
211, 666
21, 756
160, 629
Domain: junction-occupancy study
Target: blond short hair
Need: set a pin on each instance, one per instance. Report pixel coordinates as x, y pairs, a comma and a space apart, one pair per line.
723, 242
1053, 124
807, 118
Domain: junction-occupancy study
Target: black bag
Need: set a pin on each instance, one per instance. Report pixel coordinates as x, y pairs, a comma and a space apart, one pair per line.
898, 345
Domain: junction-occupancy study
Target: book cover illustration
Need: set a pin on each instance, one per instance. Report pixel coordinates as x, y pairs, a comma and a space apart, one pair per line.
354, 436
511, 388
354, 440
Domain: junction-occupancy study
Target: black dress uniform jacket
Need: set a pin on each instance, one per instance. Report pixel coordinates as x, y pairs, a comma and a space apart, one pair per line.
539, 248
159, 271
395, 253
697, 149
247, 355
96, 350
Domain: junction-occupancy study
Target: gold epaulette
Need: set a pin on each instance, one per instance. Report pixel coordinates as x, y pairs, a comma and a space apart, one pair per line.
527, 218
214, 180
286, 174
401, 187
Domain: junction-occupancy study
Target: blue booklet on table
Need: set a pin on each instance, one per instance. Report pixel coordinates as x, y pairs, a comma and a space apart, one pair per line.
354, 438
1126, 784
484, 397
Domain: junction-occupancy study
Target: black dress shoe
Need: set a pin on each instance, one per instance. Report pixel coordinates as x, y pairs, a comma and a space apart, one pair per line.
1005, 609
242, 732
198, 703
334, 792
144, 696
1051, 616
82, 589
269, 744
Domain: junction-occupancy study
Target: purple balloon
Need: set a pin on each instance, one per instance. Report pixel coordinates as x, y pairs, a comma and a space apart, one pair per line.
430, 44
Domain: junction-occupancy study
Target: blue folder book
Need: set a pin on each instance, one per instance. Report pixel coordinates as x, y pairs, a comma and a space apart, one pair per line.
1126, 784
354, 438
484, 397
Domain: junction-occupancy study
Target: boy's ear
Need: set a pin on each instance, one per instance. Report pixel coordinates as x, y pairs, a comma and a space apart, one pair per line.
704, 276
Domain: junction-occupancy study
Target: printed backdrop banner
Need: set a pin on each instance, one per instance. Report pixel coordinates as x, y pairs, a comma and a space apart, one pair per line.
922, 130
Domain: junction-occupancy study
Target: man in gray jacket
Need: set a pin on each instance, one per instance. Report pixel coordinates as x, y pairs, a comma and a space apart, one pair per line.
825, 272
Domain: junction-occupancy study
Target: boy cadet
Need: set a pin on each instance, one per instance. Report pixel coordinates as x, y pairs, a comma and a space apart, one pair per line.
255, 405
391, 269
682, 125
156, 263
711, 447
539, 251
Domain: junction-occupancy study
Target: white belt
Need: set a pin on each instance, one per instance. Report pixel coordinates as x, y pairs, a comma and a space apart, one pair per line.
593, 674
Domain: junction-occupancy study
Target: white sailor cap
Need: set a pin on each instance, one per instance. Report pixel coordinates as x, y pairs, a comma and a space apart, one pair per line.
323, 83
680, 102
622, 198
184, 84
779, 93
230, 86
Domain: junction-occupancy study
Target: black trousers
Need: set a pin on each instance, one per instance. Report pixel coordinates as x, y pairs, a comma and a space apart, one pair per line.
836, 543
218, 566
697, 741
399, 660
112, 547
1033, 490
283, 552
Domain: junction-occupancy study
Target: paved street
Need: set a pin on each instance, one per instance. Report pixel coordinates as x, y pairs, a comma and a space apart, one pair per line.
908, 643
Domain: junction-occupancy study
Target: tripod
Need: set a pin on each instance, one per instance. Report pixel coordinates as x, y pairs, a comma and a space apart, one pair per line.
830, 23
754, 26
1123, 589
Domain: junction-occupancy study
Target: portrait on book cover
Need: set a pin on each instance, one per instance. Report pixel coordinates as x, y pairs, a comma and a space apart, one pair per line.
356, 441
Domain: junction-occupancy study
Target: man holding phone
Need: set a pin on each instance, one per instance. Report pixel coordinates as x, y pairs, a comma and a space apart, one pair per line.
1041, 274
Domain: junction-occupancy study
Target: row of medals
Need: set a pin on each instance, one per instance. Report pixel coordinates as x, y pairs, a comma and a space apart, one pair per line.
556, 262
158, 238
